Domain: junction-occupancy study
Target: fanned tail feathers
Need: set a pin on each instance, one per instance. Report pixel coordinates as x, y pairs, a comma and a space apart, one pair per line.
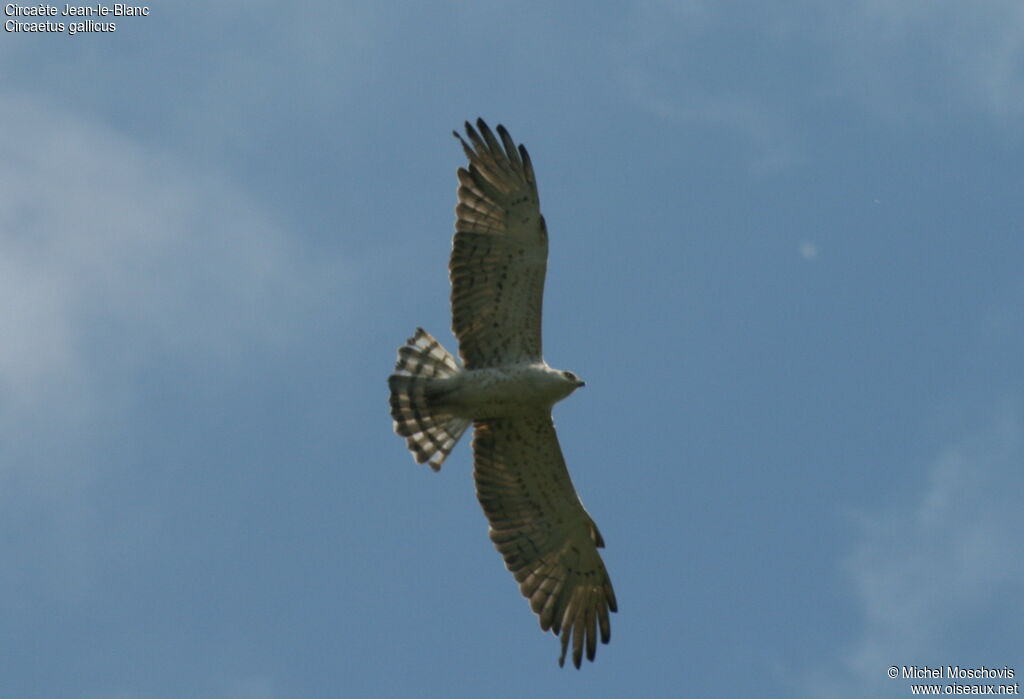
429, 430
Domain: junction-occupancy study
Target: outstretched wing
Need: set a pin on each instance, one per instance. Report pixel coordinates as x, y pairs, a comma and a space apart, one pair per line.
538, 523
499, 254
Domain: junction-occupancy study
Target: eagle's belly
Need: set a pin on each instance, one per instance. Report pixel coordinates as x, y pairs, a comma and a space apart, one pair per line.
488, 393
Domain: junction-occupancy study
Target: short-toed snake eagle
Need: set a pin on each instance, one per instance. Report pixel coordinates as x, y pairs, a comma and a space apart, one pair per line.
505, 388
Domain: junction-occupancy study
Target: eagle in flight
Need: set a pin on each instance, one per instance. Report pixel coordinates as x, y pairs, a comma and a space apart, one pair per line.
506, 390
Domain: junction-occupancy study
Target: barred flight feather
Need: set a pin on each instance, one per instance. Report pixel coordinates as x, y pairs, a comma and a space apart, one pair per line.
430, 433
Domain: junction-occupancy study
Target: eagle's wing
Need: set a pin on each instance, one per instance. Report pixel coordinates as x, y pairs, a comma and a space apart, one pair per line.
499, 254
539, 525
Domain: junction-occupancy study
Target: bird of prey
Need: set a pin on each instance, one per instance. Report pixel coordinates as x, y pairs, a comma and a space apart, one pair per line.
506, 389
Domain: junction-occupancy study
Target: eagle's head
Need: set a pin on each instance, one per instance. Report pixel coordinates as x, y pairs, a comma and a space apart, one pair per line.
576, 381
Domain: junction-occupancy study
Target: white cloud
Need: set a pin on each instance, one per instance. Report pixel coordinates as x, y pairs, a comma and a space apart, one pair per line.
940, 576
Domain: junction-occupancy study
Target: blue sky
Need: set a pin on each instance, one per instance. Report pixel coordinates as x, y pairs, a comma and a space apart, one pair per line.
786, 248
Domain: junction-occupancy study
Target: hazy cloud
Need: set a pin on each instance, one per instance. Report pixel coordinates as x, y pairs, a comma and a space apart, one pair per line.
113, 255
665, 68
931, 575
916, 59
908, 62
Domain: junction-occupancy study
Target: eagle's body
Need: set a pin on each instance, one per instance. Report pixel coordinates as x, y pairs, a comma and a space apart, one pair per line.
506, 390
478, 394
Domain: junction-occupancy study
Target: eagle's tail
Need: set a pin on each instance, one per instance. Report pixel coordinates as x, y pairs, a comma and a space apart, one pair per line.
430, 430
